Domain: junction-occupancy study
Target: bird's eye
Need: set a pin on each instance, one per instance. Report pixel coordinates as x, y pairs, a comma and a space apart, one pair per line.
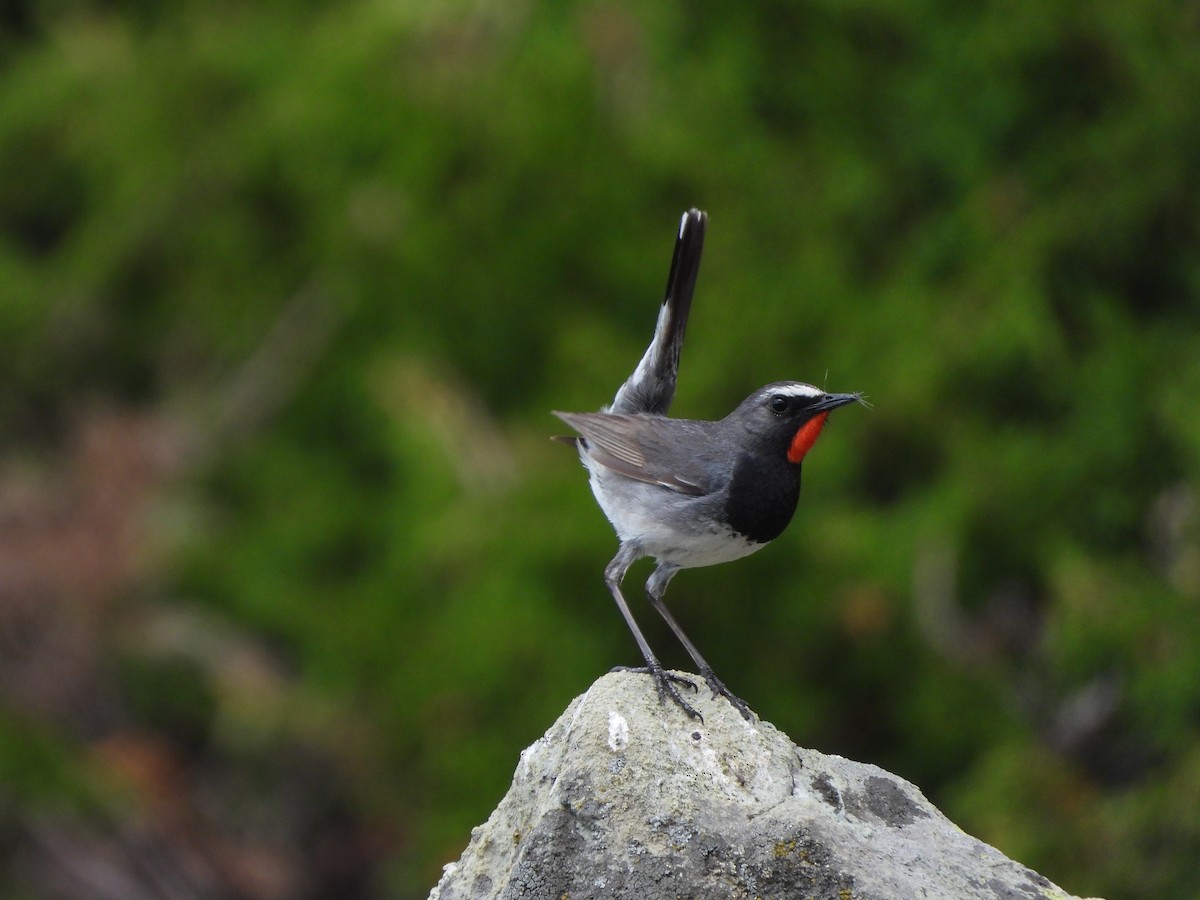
778, 403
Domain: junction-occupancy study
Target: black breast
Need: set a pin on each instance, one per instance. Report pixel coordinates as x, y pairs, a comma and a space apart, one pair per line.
762, 498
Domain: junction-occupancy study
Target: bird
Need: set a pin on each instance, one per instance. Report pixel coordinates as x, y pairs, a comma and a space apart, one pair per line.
689, 492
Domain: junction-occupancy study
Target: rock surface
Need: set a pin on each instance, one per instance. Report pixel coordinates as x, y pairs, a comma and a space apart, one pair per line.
627, 798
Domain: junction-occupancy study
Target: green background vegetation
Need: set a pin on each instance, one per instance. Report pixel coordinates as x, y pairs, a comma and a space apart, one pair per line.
289, 573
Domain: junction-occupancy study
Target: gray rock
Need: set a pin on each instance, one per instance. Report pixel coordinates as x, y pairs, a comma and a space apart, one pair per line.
627, 798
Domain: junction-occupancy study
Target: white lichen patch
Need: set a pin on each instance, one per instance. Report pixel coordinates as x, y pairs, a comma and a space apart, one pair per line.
618, 731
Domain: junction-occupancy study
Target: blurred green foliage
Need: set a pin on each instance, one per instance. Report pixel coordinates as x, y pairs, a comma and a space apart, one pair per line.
350, 255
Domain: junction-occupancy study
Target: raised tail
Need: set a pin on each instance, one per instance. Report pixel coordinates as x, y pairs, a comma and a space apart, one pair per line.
651, 387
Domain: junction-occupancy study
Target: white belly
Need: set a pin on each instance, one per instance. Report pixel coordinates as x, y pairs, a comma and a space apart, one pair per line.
674, 533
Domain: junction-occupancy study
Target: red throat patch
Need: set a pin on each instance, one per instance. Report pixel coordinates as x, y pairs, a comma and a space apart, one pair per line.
806, 436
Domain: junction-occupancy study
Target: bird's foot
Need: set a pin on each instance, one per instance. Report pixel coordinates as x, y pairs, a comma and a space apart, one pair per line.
647, 670
718, 688
665, 683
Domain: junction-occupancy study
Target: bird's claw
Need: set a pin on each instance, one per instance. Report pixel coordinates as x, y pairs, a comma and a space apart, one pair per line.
718, 689
665, 682
659, 673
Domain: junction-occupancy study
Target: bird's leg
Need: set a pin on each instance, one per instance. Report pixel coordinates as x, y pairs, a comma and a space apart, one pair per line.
655, 588
664, 681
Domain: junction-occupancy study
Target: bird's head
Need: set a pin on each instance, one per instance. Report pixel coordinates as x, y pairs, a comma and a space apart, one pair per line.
789, 415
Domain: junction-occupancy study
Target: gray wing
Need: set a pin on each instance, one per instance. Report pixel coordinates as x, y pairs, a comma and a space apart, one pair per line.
649, 448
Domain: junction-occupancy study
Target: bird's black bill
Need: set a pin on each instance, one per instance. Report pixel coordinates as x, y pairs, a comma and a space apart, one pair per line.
833, 401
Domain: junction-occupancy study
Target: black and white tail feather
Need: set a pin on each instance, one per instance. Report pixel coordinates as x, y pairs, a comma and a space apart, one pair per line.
651, 387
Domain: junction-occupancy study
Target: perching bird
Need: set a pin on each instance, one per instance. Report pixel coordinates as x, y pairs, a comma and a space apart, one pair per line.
688, 492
